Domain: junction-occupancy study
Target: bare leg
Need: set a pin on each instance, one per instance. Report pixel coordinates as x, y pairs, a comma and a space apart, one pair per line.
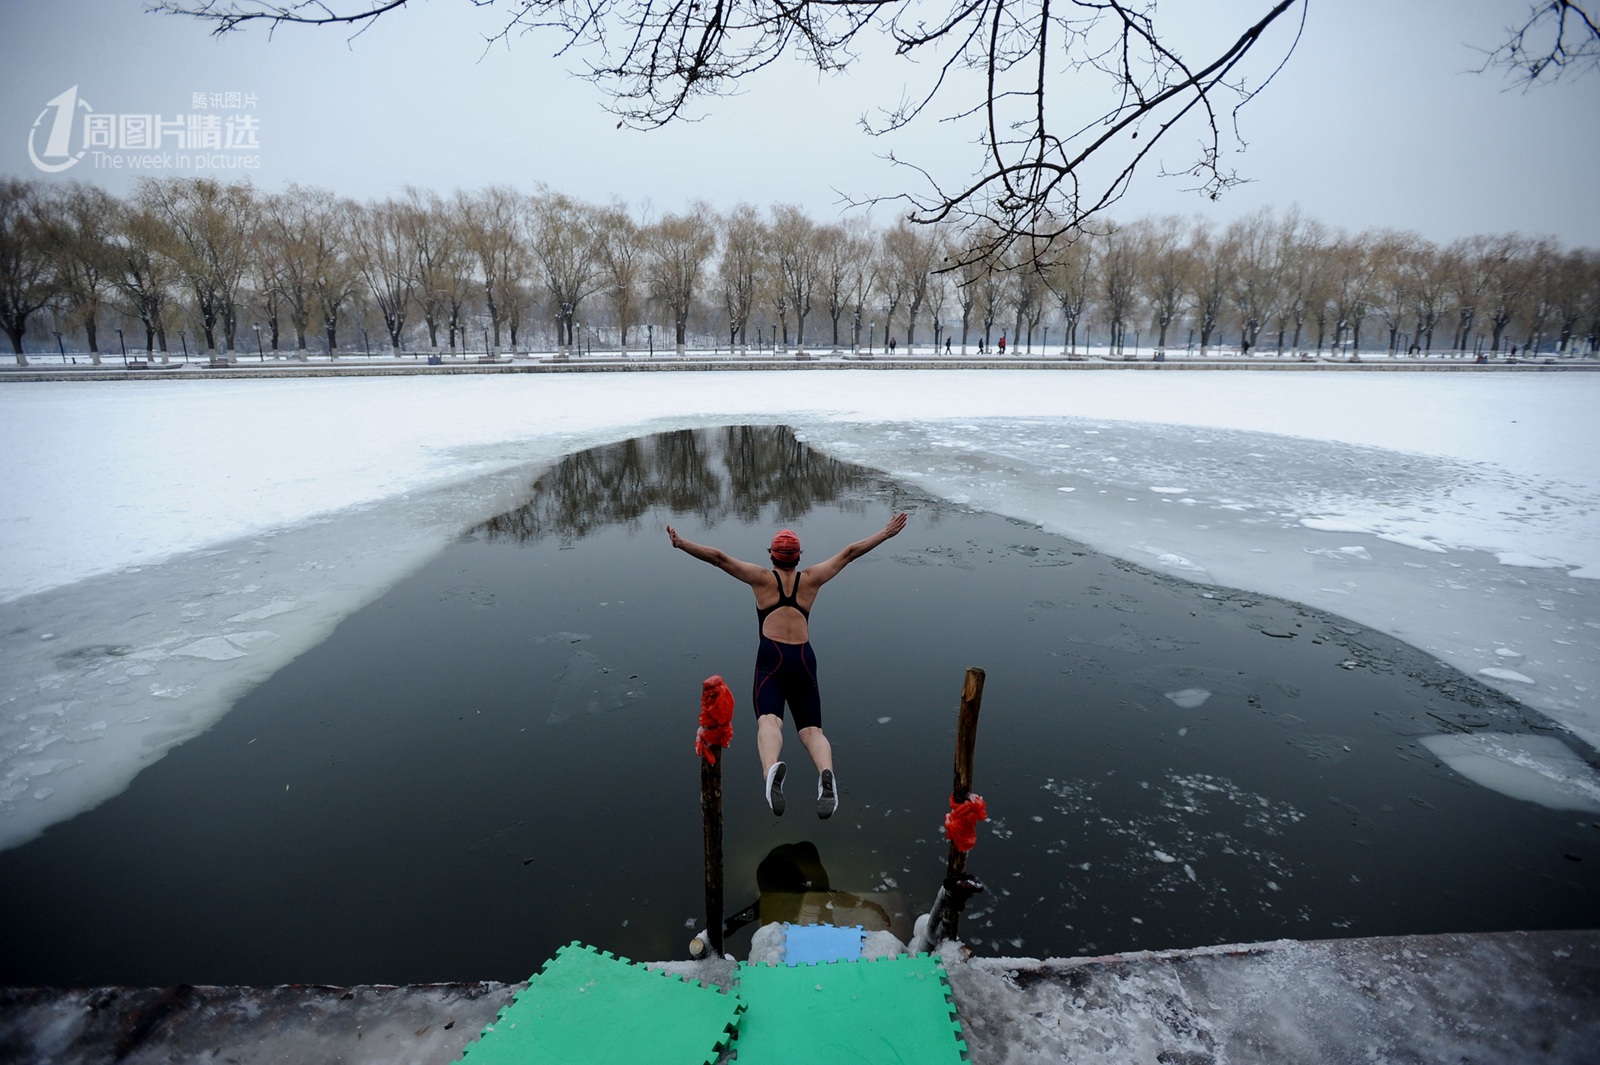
818, 747
769, 741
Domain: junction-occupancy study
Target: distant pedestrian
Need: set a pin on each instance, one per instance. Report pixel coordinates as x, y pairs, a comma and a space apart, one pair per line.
947, 345
1002, 343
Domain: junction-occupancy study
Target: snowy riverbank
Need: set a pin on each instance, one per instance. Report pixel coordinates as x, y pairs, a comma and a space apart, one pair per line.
166, 544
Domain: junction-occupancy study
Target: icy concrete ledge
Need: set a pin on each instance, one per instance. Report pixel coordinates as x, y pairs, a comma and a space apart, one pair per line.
423, 1024
1511, 998
1514, 998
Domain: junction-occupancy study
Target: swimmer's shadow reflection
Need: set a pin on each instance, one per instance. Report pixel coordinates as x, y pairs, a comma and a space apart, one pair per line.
735, 471
795, 889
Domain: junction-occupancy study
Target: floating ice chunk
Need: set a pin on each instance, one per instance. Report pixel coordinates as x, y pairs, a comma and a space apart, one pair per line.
1333, 525
1168, 491
1527, 561
1506, 652
1189, 698
1163, 857
883, 721
261, 613
1537, 769
1412, 541
216, 648
246, 640
1356, 552
1497, 673
1066, 489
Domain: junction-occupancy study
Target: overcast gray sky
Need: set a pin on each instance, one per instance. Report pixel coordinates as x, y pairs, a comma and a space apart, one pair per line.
1378, 120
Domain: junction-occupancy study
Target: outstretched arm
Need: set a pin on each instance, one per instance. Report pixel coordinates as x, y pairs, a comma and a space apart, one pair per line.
744, 571
823, 572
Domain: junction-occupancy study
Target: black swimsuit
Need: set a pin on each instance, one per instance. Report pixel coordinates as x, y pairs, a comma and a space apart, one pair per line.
784, 599
787, 672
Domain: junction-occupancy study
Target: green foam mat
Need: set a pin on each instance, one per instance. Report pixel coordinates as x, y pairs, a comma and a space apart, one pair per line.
885, 1012
589, 1007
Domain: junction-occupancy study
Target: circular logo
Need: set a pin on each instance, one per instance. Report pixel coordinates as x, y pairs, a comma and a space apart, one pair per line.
62, 113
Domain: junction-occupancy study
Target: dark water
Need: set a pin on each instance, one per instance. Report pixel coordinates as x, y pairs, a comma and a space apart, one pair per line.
496, 757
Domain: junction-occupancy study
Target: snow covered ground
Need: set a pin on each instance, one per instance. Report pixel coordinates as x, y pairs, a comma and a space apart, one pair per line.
164, 545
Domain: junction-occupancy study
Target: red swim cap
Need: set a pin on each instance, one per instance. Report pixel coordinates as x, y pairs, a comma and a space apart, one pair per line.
785, 546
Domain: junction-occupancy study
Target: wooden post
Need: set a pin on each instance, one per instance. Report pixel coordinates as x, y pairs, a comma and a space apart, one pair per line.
966, 741
711, 809
945, 913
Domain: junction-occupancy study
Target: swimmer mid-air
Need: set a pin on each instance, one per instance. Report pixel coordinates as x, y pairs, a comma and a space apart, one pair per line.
786, 667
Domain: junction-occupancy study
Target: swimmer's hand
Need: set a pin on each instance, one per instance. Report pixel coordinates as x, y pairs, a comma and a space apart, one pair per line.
672, 534
896, 523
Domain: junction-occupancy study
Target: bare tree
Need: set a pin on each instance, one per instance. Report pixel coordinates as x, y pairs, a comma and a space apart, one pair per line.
843, 252
1164, 269
443, 264
796, 262
1394, 284
490, 222
1213, 281
1556, 37
1429, 291
910, 256
678, 247
384, 250
744, 236
145, 274
212, 223
1354, 269
78, 228
27, 278
561, 237
1043, 163
1255, 250
1071, 279
1302, 276
1509, 272
1574, 283
1119, 294
621, 263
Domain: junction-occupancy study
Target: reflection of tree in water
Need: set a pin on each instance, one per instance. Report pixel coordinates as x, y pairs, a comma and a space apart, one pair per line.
736, 471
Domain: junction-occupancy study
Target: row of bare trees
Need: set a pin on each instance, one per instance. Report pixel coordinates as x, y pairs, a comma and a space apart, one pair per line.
303, 268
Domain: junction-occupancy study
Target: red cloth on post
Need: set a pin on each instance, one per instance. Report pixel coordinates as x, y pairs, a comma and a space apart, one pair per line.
961, 823
716, 719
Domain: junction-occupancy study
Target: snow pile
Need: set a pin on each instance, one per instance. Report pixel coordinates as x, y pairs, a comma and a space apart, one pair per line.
164, 545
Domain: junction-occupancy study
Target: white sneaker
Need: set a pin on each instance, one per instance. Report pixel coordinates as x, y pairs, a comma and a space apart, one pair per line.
827, 795
775, 787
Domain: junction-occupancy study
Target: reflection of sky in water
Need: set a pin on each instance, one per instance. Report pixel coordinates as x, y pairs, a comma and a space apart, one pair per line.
495, 757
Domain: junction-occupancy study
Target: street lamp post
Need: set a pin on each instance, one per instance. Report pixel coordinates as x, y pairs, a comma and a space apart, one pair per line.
183, 338
872, 336
261, 356
366, 346
123, 346
651, 329
60, 347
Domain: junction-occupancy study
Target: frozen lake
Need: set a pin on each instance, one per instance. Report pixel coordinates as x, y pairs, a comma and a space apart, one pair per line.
212, 533
493, 757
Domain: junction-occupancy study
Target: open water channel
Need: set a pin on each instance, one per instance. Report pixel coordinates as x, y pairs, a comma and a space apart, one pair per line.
496, 757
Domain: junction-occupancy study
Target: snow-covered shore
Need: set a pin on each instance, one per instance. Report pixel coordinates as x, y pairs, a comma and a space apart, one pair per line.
1495, 999
165, 544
